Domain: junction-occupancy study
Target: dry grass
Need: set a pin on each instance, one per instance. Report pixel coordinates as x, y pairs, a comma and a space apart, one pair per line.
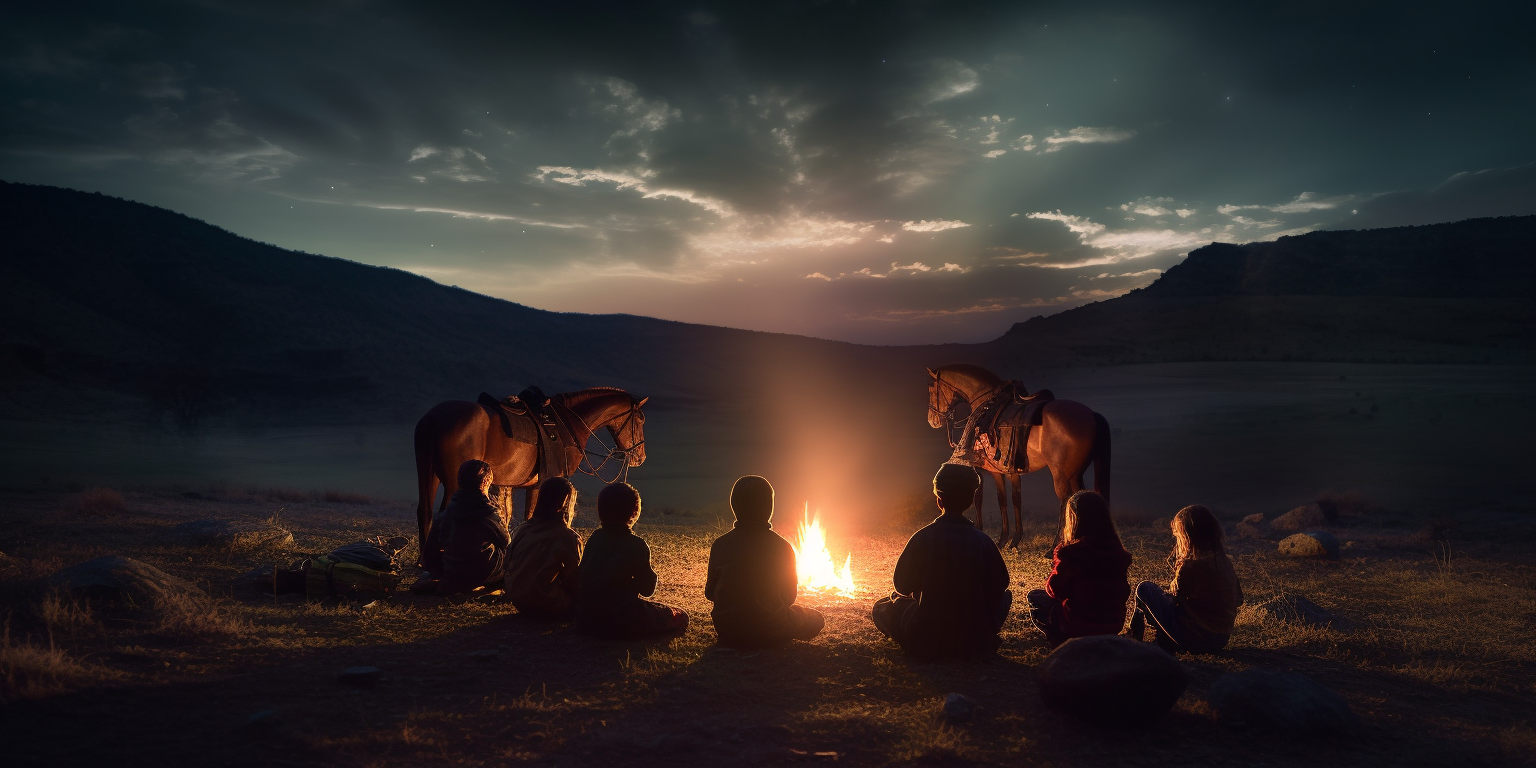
1428, 690
100, 501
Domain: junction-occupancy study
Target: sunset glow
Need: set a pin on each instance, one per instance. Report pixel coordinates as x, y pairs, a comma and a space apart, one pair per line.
814, 563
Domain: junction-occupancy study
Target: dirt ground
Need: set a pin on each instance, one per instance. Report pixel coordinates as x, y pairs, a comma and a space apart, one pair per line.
1438, 663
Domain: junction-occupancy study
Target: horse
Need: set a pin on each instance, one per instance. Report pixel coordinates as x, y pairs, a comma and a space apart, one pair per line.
456, 431
1070, 438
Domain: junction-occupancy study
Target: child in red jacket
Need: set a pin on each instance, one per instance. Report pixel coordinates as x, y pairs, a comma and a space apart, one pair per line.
1088, 586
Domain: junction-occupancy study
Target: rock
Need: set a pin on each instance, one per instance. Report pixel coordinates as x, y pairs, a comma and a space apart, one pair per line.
1162, 524
959, 708
122, 579
360, 676
1295, 609
1310, 544
1300, 519
1247, 530
1111, 681
237, 534
1254, 519
1285, 704
485, 656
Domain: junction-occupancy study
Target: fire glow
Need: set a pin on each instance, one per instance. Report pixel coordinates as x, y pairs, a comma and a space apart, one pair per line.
813, 561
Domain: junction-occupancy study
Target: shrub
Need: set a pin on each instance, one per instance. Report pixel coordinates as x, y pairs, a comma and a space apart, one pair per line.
98, 501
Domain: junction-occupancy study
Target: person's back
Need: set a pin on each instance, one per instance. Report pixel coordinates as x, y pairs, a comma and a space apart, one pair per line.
1086, 592
951, 582
616, 574
1198, 610
958, 578
1089, 577
752, 580
471, 533
545, 553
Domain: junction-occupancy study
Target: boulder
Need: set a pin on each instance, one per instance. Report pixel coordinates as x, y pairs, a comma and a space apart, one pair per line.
1300, 519
1247, 530
1310, 544
1254, 519
237, 534
122, 579
1111, 681
1289, 705
1162, 524
959, 708
1295, 609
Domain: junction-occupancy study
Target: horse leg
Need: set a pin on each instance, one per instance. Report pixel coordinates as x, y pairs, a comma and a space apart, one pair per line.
530, 499
1001, 483
1018, 510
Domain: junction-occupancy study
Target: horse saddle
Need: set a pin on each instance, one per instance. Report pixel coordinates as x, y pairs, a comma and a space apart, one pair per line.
999, 429
532, 420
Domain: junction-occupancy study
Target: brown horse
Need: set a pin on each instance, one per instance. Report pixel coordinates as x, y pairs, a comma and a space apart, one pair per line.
456, 431
1070, 438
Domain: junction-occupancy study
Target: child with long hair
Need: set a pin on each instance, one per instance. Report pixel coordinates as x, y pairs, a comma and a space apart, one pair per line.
1198, 609
543, 579
1088, 586
616, 575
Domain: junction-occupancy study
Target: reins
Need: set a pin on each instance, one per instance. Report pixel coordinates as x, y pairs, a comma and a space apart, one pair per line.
948, 415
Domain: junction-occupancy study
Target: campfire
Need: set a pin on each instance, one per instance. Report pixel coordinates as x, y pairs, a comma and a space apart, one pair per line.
814, 563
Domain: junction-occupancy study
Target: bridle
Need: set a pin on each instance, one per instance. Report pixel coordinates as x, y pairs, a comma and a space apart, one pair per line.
616, 452
947, 415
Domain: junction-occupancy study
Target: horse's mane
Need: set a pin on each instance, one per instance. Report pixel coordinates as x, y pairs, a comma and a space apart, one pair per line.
581, 396
974, 371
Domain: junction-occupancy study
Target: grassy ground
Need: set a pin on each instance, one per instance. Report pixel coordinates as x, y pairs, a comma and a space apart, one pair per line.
1438, 664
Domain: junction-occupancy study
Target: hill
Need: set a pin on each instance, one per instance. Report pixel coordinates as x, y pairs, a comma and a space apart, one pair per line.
1444, 293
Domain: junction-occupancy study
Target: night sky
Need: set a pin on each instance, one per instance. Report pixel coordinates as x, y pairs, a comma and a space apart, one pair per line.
885, 172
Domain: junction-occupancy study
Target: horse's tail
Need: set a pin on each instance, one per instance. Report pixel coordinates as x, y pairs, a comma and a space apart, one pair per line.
1101, 455
426, 480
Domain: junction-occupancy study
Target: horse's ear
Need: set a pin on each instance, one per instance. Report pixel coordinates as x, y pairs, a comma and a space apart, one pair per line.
642, 402
932, 373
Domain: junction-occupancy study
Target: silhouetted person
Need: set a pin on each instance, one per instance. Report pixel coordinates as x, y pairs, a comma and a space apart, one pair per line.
467, 545
1087, 589
1197, 612
616, 575
952, 593
542, 577
752, 579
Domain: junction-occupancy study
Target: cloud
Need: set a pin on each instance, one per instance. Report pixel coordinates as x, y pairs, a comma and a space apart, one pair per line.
1149, 206
1025, 143
937, 225
1086, 135
1302, 203
994, 153
951, 79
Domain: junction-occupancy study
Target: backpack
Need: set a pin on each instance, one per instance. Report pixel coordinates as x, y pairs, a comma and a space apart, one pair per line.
363, 569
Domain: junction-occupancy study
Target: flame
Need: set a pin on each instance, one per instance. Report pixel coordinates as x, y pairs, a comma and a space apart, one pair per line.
813, 561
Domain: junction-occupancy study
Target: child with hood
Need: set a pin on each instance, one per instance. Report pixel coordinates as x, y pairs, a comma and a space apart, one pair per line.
752, 579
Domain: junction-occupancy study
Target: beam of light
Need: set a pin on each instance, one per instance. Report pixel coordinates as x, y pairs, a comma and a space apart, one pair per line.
813, 561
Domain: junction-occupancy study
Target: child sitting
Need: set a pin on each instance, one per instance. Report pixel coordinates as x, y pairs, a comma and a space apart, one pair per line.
616, 572
752, 579
1197, 611
951, 583
542, 579
1086, 591
467, 544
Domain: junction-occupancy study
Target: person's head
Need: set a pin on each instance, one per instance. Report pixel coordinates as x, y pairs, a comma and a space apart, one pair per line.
1196, 533
955, 487
1087, 516
475, 474
618, 506
557, 501
752, 499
